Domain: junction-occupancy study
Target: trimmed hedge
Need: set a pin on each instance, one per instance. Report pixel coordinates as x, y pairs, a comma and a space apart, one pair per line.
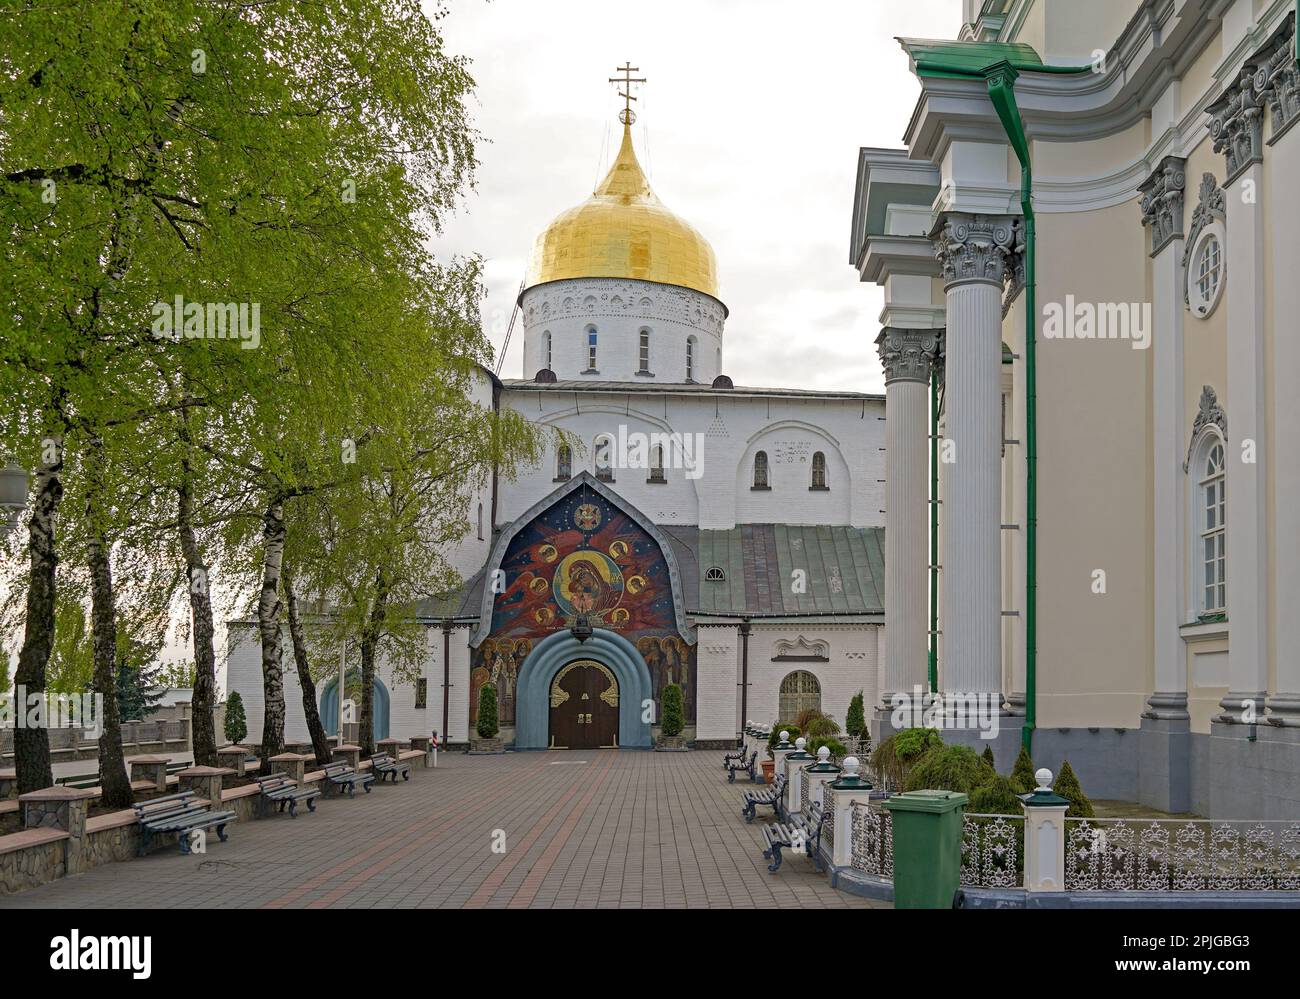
488, 723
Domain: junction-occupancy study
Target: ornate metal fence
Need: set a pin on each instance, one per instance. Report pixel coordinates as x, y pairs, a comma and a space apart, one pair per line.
1181, 855
828, 822
992, 850
873, 840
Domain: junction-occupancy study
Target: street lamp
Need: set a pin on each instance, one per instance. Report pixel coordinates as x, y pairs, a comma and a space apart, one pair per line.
581, 629
13, 496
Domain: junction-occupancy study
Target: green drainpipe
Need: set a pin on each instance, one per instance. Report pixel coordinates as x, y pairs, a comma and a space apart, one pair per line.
934, 530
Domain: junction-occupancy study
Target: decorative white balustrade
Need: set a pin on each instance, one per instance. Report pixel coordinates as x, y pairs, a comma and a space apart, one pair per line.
992, 850
873, 840
1181, 855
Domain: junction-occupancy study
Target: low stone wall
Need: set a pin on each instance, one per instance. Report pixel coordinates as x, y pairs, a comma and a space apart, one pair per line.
62, 839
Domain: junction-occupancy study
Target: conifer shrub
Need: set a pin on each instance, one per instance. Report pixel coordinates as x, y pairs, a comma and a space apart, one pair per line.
1022, 774
774, 738
1068, 787
674, 718
987, 756
837, 748
948, 768
855, 722
996, 796
488, 723
236, 722
894, 757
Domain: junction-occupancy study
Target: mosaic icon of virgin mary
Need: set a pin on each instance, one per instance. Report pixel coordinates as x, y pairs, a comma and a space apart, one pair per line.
588, 582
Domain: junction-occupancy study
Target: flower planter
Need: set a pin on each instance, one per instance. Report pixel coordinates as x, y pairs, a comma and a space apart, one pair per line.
670, 744
486, 747
769, 768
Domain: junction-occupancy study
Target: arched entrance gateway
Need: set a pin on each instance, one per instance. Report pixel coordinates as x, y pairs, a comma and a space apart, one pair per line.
584, 707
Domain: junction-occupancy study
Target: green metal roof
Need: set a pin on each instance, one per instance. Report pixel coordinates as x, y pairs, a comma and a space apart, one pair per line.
843, 567
941, 58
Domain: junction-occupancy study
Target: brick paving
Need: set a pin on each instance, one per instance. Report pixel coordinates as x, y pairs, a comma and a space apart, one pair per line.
599, 829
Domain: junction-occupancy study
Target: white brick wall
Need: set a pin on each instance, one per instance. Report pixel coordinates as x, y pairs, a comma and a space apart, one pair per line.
716, 675
854, 665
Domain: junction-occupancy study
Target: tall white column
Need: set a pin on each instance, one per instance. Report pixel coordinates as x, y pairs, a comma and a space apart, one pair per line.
907, 356
975, 251
1162, 212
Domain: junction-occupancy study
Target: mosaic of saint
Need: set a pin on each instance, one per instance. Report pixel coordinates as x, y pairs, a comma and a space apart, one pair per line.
583, 556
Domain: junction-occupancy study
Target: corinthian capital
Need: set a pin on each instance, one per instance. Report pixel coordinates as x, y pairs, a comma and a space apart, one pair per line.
977, 247
1162, 202
907, 355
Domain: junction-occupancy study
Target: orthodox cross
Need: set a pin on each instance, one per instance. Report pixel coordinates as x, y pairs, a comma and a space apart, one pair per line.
627, 115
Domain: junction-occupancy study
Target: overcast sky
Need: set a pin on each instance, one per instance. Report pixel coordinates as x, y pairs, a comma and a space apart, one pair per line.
749, 128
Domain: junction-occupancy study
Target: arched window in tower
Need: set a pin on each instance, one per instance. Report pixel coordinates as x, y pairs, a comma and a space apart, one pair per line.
819, 471
563, 463
643, 353
656, 464
800, 692
690, 358
546, 345
603, 452
1212, 529
480, 521
591, 348
760, 471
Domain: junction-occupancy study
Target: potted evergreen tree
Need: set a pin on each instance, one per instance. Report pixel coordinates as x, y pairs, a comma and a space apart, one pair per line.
674, 720
488, 726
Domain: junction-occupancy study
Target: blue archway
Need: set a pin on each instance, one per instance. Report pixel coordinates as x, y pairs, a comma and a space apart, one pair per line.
329, 704
533, 704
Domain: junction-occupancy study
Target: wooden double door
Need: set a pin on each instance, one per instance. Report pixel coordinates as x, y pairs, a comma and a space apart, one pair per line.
584, 707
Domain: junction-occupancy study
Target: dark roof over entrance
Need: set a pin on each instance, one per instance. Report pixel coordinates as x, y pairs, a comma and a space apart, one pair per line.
844, 566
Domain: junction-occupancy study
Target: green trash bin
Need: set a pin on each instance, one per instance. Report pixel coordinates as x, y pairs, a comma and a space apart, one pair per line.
927, 848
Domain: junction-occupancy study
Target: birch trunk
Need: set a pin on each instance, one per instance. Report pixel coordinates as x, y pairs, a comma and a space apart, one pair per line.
205, 657
268, 620
319, 742
370, 636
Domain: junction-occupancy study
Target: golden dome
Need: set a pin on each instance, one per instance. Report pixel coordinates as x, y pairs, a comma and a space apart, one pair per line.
624, 231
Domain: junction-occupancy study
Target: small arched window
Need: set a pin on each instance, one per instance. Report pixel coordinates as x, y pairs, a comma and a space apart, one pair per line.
603, 451
563, 463
480, 521
656, 464
592, 338
715, 574
819, 471
643, 352
690, 358
800, 692
760, 471
1212, 509
546, 346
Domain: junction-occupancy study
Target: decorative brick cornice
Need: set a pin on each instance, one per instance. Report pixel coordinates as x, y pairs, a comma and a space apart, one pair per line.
907, 355
977, 247
1162, 201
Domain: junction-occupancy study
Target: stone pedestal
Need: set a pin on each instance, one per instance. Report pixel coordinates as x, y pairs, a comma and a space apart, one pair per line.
62, 808
1044, 836
794, 764
818, 775
393, 747
423, 744
205, 782
292, 765
349, 754
8, 783
151, 768
846, 790
233, 758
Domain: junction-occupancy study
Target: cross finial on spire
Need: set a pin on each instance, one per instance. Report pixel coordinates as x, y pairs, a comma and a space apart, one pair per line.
627, 115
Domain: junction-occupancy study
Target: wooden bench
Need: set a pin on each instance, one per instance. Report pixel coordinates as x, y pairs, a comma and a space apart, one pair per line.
770, 798
181, 813
385, 766
340, 776
283, 790
740, 766
802, 833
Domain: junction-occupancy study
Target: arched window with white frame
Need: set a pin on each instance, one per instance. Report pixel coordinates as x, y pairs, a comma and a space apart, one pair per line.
603, 453
643, 352
819, 471
592, 339
480, 521
1211, 527
656, 465
690, 358
546, 348
760, 471
563, 463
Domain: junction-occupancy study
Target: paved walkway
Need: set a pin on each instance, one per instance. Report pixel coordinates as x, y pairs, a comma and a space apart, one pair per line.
581, 829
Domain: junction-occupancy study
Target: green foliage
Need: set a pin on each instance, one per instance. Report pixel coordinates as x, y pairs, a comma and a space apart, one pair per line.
488, 725
894, 757
987, 757
72, 659
821, 725
236, 723
774, 737
674, 717
1068, 787
855, 722
996, 796
837, 748
948, 768
1022, 774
